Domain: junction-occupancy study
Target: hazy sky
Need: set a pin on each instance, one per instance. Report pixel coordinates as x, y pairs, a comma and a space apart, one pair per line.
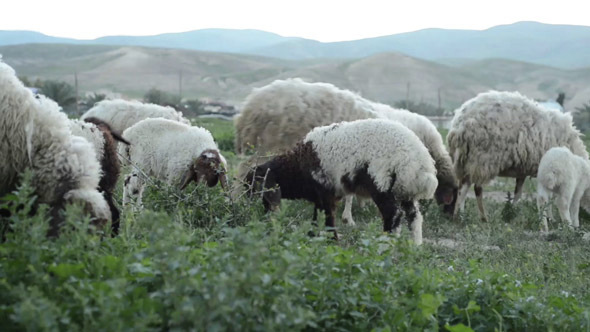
316, 19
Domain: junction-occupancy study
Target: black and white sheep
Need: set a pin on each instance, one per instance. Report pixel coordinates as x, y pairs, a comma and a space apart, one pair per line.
566, 177
275, 117
505, 134
122, 114
377, 158
36, 135
173, 152
103, 140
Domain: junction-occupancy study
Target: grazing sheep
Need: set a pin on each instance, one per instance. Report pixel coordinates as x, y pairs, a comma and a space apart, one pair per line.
567, 176
103, 139
505, 134
122, 114
378, 158
35, 135
173, 152
446, 192
280, 114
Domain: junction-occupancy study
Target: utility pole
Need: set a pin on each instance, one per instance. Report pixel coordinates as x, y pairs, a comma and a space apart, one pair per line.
76, 87
180, 85
439, 101
408, 95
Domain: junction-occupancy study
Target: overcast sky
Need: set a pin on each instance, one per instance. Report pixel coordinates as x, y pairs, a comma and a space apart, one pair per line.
315, 19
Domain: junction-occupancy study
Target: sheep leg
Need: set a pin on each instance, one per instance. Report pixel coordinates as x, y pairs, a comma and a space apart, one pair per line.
575, 207
460, 204
414, 218
518, 189
479, 196
329, 208
543, 199
347, 213
563, 205
115, 215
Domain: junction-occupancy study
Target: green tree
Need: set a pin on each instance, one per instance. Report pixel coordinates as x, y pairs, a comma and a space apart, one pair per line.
159, 97
61, 92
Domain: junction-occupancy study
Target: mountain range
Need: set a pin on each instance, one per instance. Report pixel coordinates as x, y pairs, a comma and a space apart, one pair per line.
385, 77
562, 46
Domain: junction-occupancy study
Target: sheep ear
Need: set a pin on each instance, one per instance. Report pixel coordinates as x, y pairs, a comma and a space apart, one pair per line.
187, 177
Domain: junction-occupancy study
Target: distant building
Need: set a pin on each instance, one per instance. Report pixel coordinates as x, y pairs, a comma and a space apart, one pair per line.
217, 107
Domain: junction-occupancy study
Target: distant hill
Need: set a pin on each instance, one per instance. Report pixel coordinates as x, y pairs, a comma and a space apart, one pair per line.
385, 77
563, 46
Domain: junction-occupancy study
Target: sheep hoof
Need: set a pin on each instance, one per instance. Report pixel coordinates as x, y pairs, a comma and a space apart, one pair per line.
484, 219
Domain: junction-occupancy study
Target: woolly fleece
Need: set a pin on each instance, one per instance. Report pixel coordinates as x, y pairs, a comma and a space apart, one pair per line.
343, 148
498, 133
567, 176
122, 114
35, 135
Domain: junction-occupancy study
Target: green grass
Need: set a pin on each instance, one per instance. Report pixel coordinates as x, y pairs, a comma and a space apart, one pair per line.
200, 260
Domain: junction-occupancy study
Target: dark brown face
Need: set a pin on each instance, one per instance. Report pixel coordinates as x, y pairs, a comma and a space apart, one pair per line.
263, 183
207, 168
446, 196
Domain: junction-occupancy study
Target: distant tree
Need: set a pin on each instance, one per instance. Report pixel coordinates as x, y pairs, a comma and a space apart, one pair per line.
156, 96
61, 92
582, 117
94, 98
420, 108
192, 108
26, 81
89, 101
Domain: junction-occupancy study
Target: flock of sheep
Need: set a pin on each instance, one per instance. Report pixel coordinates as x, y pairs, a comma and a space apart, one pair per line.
312, 141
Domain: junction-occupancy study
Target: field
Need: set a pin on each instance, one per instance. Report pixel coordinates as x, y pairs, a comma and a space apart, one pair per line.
198, 260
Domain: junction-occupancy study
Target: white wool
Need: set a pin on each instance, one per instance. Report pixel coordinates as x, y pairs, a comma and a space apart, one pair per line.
121, 114
164, 148
428, 134
36, 136
278, 115
566, 177
91, 133
343, 149
505, 132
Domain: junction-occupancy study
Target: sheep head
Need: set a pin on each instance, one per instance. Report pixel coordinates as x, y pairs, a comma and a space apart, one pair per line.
210, 167
446, 195
262, 181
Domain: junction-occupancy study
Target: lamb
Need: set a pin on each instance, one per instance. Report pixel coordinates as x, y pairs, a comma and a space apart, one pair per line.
173, 152
567, 176
103, 139
505, 134
36, 136
278, 115
122, 114
378, 158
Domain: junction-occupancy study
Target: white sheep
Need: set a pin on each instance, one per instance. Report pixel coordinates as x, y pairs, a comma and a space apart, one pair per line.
36, 136
278, 115
122, 114
378, 158
505, 134
173, 152
99, 134
567, 176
